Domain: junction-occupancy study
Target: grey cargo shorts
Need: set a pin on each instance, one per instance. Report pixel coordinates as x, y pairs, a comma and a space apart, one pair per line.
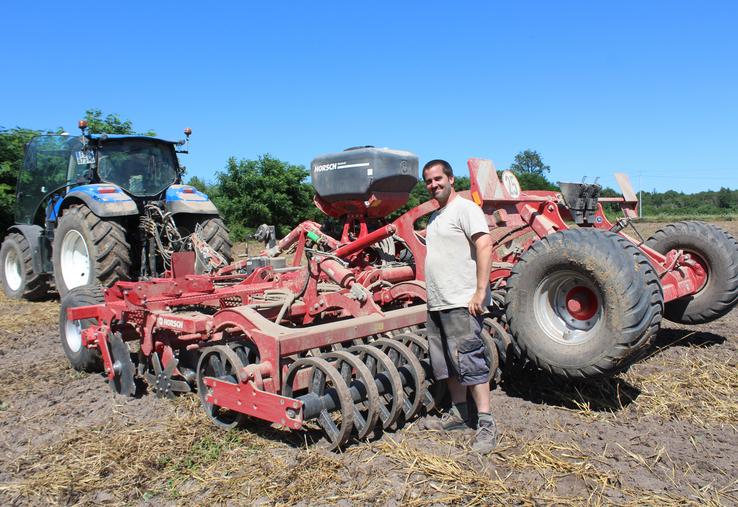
456, 347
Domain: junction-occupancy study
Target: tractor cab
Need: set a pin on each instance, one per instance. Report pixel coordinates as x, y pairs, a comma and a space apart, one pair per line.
102, 208
142, 167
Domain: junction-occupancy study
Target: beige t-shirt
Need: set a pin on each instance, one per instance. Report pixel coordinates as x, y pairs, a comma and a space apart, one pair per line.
450, 262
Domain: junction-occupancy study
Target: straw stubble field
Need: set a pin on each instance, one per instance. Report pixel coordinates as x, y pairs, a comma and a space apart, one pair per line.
664, 433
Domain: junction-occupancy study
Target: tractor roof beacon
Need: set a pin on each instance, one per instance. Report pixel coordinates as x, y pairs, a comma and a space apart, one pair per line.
102, 208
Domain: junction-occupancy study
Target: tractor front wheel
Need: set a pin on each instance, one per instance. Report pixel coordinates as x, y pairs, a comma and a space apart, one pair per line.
716, 253
89, 249
583, 303
19, 279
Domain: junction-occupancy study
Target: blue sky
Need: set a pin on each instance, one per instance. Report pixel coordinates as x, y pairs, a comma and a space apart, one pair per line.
648, 88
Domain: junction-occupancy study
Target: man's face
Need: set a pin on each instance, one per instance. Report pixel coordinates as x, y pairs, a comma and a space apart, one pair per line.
439, 185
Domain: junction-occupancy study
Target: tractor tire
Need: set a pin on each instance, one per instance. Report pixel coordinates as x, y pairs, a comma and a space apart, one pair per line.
717, 252
81, 358
19, 279
89, 249
583, 303
214, 232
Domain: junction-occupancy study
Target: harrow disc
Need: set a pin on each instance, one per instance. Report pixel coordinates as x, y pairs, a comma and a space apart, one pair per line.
124, 379
387, 379
363, 390
223, 363
160, 380
411, 371
328, 399
433, 392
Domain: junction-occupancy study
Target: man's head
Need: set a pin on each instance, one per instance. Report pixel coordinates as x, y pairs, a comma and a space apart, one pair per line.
439, 180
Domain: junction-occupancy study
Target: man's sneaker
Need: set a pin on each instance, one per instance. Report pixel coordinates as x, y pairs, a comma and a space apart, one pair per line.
450, 421
485, 439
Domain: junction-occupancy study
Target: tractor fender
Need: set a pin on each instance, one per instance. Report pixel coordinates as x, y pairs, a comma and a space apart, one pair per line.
187, 199
103, 201
34, 234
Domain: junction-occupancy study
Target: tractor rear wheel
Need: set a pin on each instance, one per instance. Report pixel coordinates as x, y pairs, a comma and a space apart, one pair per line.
716, 252
89, 249
80, 357
583, 303
214, 232
19, 279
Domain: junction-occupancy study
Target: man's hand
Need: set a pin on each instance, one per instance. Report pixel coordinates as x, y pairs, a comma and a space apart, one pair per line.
476, 306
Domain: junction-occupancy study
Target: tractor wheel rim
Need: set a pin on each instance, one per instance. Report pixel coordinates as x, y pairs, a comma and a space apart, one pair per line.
13, 275
568, 306
75, 260
73, 335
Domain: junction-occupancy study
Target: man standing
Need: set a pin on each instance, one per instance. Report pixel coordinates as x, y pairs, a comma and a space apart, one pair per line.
457, 268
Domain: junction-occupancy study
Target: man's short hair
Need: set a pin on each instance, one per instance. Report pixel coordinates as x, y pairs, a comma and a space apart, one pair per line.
444, 165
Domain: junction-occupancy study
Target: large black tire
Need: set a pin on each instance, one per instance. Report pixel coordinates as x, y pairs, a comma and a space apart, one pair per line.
717, 252
19, 279
81, 358
583, 303
108, 251
214, 232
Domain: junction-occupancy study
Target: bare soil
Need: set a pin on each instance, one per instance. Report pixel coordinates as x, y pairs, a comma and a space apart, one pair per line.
663, 433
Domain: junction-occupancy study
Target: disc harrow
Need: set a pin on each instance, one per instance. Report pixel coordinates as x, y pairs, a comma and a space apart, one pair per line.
332, 338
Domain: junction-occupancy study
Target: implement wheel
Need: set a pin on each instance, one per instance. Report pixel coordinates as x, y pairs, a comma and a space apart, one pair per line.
716, 254
583, 303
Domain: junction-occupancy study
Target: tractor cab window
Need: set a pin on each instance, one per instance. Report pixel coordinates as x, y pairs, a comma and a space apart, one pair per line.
48, 164
139, 166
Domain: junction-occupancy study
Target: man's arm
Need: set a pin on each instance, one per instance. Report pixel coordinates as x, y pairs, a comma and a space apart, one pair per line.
483, 246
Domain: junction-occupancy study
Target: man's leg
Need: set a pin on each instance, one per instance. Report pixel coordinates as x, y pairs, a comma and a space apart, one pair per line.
480, 393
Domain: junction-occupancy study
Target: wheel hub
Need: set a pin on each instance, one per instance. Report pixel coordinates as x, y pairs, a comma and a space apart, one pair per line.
13, 275
581, 303
568, 306
75, 260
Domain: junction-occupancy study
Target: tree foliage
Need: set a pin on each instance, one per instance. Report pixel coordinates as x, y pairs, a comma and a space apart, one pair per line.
111, 124
529, 162
12, 143
266, 190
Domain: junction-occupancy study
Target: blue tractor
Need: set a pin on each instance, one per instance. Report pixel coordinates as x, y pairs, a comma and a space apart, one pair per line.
103, 208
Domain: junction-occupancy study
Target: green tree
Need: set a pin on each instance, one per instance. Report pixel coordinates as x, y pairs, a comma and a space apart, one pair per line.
529, 162
266, 190
534, 181
202, 186
111, 124
12, 143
